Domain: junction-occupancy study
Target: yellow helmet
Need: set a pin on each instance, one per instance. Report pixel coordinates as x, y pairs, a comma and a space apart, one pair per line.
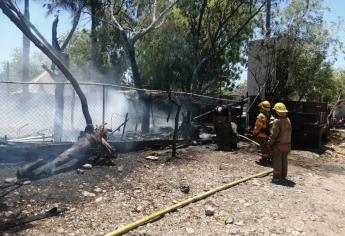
265, 105
280, 109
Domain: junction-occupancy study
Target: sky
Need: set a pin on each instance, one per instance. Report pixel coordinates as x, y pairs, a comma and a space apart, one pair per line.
11, 37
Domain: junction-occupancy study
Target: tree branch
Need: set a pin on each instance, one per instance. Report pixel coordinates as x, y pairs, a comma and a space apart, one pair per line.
74, 27
110, 10
55, 42
154, 23
214, 53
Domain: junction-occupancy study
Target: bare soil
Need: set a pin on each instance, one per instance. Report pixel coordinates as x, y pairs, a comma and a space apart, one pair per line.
312, 204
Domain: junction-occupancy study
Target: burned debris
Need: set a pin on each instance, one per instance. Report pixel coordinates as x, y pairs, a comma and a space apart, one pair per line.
121, 126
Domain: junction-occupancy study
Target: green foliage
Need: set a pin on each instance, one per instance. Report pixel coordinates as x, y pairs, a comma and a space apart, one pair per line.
79, 48
301, 23
16, 62
169, 56
110, 58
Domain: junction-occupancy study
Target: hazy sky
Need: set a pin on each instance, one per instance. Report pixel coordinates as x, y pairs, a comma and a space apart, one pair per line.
11, 37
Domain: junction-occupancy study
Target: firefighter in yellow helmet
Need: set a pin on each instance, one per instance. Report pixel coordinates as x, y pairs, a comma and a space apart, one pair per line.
280, 142
261, 131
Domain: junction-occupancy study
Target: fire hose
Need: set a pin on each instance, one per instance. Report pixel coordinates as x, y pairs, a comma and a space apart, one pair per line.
161, 213
248, 139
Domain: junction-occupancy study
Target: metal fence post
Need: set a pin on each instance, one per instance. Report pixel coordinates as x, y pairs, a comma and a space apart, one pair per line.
103, 105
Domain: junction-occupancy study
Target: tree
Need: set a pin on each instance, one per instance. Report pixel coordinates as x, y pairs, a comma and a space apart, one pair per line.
133, 28
79, 153
16, 64
295, 63
309, 42
199, 49
59, 89
95, 10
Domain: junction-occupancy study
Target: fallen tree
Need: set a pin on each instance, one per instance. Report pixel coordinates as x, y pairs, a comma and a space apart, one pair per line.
81, 151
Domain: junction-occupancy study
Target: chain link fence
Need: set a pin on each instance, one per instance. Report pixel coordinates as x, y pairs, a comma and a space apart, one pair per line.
29, 110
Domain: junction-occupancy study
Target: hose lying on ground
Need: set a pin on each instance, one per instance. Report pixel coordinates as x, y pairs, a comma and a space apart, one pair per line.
183, 203
248, 139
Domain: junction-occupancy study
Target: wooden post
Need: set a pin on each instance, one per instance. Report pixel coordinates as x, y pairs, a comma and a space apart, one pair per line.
153, 121
124, 126
176, 130
72, 109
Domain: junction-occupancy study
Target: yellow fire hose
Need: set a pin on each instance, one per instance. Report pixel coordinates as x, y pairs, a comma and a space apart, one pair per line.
183, 203
248, 139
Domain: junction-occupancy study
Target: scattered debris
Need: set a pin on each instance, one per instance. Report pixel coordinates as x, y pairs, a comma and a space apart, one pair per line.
229, 221
87, 166
97, 190
190, 230
88, 194
152, 158
80, 171
11, 180
34, 217
209, 210
99, 199
27, 182
239, 223
184, 188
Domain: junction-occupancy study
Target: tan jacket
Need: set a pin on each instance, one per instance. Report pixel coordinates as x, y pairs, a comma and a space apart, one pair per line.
261, 124
280, 137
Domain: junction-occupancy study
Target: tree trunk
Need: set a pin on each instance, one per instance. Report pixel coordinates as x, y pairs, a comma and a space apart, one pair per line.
73, 157
10, 11
129, 47
26, 52
59, 89
134, 65
268, 19
93, 35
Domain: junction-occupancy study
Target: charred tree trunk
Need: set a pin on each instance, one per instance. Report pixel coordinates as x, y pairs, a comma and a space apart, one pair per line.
59, 89
73, 157
145, 122
129, 47
87, 145
26, 51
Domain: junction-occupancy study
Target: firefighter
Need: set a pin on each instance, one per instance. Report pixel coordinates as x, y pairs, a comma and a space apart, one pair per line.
226, 137
280, 142
261, 131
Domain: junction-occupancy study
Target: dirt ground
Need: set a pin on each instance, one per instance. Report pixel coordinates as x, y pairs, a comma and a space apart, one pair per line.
105, 198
